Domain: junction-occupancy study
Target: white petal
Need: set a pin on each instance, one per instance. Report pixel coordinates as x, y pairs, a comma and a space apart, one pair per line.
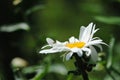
45, 46
61, 49
81, 32
94, 55
95, 38
76, 40
99, 46
80, 53
75, 50
55, 49
72, 39
87, 50
68, 56
93, 32
87, 33
58, 42
94, 42
48, 51
50, 41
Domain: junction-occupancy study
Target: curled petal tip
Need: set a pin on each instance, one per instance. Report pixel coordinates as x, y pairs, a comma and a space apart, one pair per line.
49, 41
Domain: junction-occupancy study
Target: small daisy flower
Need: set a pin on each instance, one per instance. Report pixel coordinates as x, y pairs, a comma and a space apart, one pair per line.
83, 45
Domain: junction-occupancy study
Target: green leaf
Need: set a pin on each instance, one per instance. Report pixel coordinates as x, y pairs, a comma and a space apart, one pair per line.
41, 73
34, 9
108, 20
31, 69
110, 55
14, 27
45, 69
98, 8
58, 68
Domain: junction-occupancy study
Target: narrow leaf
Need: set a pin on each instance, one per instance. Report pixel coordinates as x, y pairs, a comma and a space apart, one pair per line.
110, 55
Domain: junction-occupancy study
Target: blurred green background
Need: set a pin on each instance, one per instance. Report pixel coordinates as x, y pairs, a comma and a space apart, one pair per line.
25, 24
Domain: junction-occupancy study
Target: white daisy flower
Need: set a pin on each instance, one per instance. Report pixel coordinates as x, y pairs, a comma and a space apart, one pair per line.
84, 45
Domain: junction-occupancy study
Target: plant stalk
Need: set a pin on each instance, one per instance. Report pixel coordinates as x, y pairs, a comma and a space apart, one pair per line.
81, 67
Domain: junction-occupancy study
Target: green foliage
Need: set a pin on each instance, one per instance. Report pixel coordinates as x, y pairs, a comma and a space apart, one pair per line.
15, 27
110, 55
115, 20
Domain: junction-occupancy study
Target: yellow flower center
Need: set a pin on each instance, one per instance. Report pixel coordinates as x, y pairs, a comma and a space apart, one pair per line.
75, 44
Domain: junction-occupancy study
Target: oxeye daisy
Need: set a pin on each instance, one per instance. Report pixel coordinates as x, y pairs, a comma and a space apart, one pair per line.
82, 45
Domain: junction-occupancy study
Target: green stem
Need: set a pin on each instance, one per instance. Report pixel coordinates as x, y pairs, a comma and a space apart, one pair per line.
81, 68
109, 73
116, 71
